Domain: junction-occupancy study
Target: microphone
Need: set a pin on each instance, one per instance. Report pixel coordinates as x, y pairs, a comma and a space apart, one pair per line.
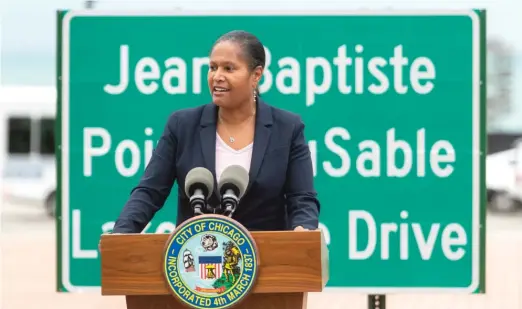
232, 186
199, 185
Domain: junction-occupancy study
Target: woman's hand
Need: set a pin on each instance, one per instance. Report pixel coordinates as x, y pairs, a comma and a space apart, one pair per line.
300, 228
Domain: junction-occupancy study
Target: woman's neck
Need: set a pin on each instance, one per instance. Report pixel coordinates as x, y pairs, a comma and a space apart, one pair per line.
237, 115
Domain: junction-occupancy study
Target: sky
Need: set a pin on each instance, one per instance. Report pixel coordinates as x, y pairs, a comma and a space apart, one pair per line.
34, 20
28, 30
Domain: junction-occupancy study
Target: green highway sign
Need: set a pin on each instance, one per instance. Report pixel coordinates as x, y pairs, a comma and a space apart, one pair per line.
394, 106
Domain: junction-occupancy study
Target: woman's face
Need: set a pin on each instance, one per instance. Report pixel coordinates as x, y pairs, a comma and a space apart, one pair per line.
230, 81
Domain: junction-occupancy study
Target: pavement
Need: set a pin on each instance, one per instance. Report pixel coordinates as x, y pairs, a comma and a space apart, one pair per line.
28, 272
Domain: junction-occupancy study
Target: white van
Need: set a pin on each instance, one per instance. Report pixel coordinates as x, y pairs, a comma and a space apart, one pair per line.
27, 145
517, 171
504, 179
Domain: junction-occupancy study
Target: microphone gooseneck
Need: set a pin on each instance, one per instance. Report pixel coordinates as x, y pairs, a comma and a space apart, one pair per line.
232, 186
199, 184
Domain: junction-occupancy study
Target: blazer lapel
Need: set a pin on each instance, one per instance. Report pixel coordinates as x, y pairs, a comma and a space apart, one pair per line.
207, 137
262, 134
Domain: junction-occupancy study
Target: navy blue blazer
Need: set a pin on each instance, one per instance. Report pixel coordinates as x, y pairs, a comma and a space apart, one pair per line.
280, 194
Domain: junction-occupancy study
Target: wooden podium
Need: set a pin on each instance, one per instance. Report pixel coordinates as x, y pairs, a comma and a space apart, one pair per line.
291, 264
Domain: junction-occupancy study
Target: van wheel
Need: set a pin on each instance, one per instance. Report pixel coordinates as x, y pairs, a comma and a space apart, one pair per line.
50, 205
501, 202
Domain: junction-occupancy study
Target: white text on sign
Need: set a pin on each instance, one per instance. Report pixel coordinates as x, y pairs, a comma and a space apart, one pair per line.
453, 237
150, 75
436, 158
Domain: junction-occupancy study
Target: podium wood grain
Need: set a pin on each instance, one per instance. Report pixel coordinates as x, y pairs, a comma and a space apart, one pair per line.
252, 301
290, 265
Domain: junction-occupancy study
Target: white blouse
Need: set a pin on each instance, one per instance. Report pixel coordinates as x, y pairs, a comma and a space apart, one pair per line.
226, 156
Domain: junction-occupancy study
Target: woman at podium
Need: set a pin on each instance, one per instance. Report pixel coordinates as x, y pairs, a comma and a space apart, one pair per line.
236, 128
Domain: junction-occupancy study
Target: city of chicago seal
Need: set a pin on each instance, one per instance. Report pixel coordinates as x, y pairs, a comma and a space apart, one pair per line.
210, 262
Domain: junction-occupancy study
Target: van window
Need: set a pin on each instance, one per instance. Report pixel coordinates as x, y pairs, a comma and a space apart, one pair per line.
19, 135
47, 136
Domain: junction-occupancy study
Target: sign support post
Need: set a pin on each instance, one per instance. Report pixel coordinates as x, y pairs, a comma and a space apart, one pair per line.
377, 301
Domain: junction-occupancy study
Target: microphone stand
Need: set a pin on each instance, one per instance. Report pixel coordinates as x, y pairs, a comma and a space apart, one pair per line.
197, 201
229, 203
226, 208
197, 210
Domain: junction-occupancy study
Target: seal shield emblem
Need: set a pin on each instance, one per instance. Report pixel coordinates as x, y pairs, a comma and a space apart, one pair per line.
210, 261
